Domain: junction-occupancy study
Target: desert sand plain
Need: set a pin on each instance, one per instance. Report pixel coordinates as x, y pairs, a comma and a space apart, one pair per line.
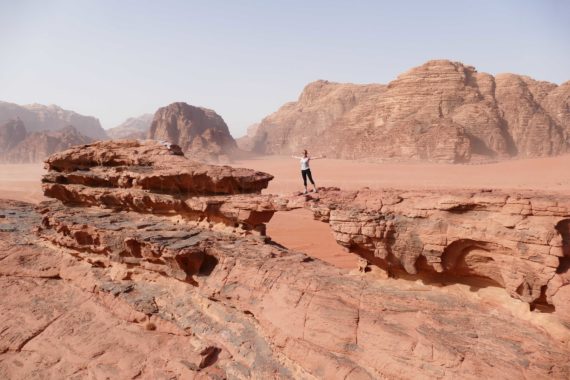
297, 230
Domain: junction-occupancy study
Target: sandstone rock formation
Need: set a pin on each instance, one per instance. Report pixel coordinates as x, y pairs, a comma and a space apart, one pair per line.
132, 128
517, 241
440, 111
147, 176
37, 118
148, 288
17, 146
201, 133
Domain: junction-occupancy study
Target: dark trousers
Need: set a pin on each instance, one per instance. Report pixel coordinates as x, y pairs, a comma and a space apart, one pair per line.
307, 173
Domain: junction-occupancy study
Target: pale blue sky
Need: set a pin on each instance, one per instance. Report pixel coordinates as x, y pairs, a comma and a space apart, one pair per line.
244, 59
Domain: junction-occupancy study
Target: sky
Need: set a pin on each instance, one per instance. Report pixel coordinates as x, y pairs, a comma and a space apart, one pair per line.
114, 59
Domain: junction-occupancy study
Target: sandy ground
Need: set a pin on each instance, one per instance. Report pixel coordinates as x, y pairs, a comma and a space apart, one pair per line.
297, 230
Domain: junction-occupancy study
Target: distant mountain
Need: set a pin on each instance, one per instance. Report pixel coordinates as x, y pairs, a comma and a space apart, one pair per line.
37, 117
441, 111
247, 142
201, 133
132, 128
19, 146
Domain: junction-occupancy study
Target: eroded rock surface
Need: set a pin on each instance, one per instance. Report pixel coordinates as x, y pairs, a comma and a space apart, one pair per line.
98, 285
151, 177
518, 240
440, 111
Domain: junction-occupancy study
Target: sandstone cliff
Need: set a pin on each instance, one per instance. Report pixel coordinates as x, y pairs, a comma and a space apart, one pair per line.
132, 128
440, 111
37, 118
201, 133
19, 147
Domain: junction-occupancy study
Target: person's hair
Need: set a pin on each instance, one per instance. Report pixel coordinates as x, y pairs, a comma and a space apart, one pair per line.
305, 152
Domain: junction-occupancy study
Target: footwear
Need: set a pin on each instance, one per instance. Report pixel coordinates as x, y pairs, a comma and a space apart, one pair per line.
305, 192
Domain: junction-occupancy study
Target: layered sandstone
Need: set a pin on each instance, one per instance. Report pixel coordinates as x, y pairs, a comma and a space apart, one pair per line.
19, 147
38, 118
517, 241
200, 132
441, 111
98, 285
151, 177
231, 307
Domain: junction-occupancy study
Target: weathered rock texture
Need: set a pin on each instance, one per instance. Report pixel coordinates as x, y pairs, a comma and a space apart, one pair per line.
440, 111
151, 177
38, 118
116, 291
132, 128
200, 132
518, 241
18, 146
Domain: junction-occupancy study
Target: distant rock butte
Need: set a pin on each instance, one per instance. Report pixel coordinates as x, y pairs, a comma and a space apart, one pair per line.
200, 132
441, 111
38, 118
18, 146
132, 128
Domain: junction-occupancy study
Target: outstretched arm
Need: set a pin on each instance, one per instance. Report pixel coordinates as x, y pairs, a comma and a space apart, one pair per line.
318, 157
297, 157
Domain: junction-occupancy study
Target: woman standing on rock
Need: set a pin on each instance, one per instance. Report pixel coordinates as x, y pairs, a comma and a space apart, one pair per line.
306, 170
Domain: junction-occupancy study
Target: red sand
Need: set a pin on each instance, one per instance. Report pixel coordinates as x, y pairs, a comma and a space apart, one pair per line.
297, 230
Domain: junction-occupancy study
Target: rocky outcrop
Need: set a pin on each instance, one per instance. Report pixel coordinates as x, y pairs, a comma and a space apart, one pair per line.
96, 285
516, 241
441, 111
132, 128
151, 177
200, 132
38, 118
35, 146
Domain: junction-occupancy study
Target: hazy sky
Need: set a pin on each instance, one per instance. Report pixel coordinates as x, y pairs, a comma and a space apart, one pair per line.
115, 59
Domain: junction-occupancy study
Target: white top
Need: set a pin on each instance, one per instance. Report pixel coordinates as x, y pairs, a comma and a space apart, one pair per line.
305, 163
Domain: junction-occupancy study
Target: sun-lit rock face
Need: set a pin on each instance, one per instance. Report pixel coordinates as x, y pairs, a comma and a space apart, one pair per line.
441, 111
519, 241
152, 177
150, 265
200, 132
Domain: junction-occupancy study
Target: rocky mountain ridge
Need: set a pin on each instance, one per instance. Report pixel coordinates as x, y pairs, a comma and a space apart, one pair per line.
441, 111
18, 146
38, 118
